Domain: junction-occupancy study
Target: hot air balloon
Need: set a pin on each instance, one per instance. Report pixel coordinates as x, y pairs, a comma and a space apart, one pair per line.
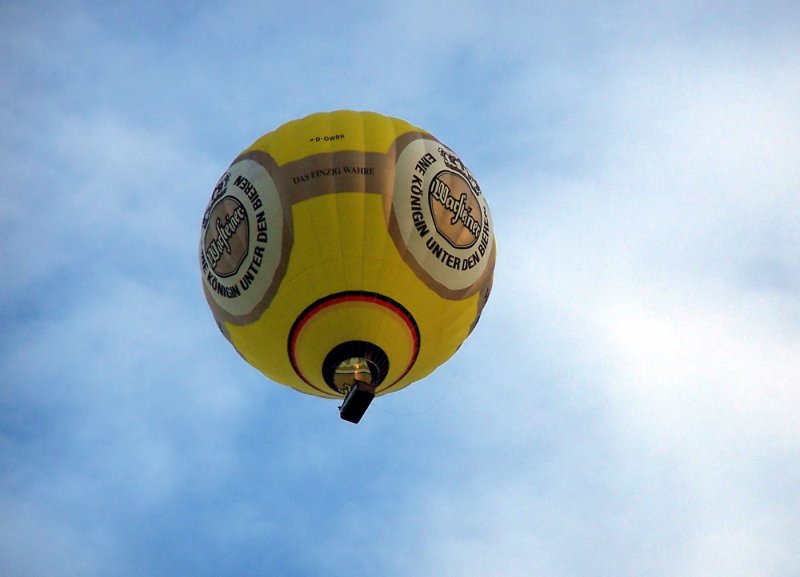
347, 255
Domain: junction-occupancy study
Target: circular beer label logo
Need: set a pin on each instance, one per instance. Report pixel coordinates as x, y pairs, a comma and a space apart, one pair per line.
226, 242
455, 209
242, 241
440, 221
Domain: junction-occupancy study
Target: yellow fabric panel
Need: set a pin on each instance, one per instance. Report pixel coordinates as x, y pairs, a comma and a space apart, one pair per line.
320, 133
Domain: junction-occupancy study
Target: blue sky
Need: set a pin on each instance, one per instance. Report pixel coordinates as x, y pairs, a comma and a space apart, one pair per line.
628, 404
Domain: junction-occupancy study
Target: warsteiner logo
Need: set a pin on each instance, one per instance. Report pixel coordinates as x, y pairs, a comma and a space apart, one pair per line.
455, 209
226, 240
241, 242
441, 222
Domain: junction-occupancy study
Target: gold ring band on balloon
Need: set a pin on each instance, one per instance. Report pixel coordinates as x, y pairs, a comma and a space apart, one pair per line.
353, 324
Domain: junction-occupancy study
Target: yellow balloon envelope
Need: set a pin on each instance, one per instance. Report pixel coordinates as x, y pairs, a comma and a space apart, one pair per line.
347, 254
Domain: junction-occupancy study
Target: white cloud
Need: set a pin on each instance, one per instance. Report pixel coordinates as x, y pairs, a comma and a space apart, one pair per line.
34, 543
646, 266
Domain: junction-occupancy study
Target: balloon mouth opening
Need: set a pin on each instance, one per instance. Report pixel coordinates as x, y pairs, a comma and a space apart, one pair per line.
354, 362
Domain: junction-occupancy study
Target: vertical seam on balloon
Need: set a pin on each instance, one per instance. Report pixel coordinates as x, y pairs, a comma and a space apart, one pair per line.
362, 188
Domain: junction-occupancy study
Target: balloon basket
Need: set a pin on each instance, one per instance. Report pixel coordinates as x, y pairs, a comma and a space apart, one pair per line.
356, 402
